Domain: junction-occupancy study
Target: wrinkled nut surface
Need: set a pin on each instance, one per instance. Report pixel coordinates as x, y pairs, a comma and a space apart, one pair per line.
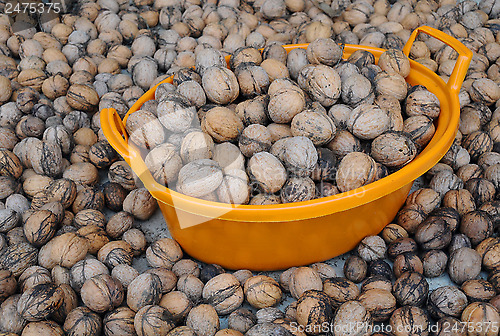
163, 253
368, 121
145, 129
224, 292
267, 171
393, 149
222, 124
262, 291
220, 85
355, 170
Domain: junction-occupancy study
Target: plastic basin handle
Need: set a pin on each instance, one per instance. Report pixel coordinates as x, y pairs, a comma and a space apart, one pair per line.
463, 60
114, 129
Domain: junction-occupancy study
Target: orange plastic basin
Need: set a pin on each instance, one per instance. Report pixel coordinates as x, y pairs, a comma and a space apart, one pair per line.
273, 237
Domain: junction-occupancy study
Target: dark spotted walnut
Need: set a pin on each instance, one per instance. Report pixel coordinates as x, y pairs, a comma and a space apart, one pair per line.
82, 321
38, 302
143, 290
119, 322
340, 290
102, 293
153, 320
314, 308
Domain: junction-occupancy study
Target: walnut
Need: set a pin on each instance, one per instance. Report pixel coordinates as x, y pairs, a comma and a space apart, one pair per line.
393, 149
355, 170
222, 124
145, 129
262, 291
220, 85
102, 293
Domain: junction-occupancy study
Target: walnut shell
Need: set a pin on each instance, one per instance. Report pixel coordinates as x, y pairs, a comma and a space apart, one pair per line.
46, 158
220, 85
434, 263
177, 304
102, 293
10, 165
480, 312
163, 253
38, 302
357, 89
284, 104
120, 322
422, 102
303, 279
153, 320
39, 227
82, 321
121, 173
464, 264
84, 270
324, 51
253, 111
394, 60
300, 155
8, 284
119, 223
234, 188
409, 318
263, 199
368, 121
484, 90
411, 288
393, 149
379, 302
140, 203
62, 191
253, 80
319, 128
199, 178
114, 195
262, 291
314, 308
353, 317
298, 189
196, 146
476, 225
420, 129
82, 97
478, 290
64, 250
391, 84
115, 253
17, 258
43, 328
143, 290
224, 293
323, 84
88, 198
254, 138
84, 173
228, 156
203, 320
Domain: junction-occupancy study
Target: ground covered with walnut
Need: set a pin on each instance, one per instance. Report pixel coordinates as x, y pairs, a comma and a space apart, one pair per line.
81, 251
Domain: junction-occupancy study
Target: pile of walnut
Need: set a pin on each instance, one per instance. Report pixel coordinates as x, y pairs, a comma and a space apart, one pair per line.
70, 238
278, 128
